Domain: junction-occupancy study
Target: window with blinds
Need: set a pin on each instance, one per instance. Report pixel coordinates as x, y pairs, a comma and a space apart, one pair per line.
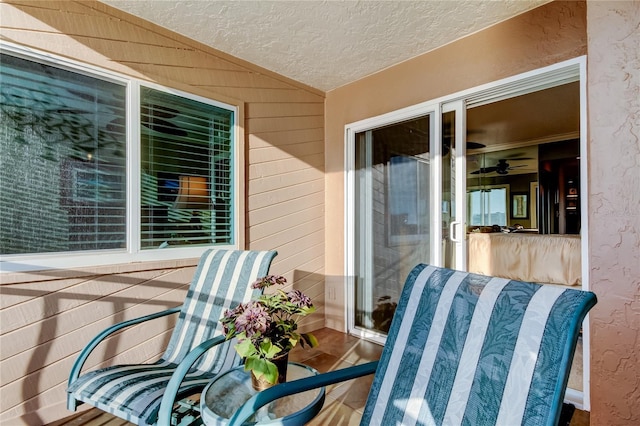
62, 160
64, 172
186, 171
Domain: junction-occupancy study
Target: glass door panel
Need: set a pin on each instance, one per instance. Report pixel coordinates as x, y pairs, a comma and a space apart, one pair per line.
453, 186
392, 216
448, 187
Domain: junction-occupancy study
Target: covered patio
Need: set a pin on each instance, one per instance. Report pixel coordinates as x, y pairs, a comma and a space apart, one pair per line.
291, 191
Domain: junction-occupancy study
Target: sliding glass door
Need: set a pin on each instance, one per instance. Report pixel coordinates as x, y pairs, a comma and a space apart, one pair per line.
419, 192
392, 215
407, 207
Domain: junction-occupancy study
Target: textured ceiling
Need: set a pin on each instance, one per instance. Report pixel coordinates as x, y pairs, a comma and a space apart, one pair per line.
325, 44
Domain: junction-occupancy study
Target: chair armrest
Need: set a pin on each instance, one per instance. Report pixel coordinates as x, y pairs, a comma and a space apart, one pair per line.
82, 358
173, 386
297, 386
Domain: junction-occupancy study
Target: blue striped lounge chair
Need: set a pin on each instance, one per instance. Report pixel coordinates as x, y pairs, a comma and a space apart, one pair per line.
196, 352
466, 349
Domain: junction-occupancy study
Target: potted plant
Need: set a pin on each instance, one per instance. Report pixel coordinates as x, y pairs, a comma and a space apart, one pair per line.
266, 329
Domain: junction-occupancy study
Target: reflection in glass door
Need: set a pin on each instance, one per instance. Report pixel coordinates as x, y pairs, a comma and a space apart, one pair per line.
391, 189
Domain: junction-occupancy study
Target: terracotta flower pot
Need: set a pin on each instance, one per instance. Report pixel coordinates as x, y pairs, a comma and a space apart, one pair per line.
281, 362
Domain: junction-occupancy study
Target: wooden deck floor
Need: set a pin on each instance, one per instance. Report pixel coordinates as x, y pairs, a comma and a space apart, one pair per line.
344, 403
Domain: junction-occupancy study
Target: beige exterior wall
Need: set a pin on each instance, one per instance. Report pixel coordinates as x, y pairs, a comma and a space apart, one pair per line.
46, 317
613, 75
546, 35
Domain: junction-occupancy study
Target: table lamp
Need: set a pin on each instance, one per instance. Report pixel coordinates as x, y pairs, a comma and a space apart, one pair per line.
193, 193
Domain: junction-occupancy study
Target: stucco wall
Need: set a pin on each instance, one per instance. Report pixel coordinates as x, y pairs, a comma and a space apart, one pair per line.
544, 36
613, 70
46, 317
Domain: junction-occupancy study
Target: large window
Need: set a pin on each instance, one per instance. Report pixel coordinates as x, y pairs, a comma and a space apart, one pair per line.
487, 205
186, 171
71, 182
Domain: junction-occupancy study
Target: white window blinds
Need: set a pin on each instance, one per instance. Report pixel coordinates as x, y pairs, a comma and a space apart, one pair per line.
186, 176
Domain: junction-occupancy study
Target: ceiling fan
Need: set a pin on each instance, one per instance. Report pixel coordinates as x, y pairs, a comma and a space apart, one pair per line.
502, 168
446, 145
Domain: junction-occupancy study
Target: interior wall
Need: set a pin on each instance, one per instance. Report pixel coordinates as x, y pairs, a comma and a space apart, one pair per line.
613, 77
543, 36
47, 316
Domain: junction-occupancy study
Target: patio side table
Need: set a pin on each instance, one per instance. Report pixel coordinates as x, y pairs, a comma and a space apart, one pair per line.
225, 394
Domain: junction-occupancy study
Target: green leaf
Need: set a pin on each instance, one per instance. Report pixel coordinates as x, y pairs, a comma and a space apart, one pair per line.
262, 369
294, 338
245, 349
310, 340
271, 375
255, 364
268, 349
309, 310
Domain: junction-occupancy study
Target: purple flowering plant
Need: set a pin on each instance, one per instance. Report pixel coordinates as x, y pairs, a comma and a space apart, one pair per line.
266, 327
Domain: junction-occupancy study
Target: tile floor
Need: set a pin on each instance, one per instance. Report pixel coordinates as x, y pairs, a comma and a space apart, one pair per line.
344, 402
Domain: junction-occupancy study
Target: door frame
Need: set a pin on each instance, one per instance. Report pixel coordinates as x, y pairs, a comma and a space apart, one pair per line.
554, 75
351, 130
458, 226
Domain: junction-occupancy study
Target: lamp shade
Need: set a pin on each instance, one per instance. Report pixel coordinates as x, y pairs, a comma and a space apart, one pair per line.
193, 193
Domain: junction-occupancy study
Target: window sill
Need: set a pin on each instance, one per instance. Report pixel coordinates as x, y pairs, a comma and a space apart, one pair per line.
22, 269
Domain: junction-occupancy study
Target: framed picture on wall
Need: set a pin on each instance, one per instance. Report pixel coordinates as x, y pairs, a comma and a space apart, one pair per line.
519, 206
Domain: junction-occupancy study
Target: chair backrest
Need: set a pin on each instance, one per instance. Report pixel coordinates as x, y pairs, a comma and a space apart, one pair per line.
477, 350
222, 280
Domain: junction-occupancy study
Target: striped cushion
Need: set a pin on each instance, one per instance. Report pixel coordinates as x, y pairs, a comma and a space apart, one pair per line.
133, 392
476, 350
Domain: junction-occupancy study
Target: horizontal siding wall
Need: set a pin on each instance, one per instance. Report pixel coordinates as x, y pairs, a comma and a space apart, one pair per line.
47, 317
46, 323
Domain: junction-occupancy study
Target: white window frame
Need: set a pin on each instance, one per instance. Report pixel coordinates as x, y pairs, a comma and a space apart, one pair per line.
133, 252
